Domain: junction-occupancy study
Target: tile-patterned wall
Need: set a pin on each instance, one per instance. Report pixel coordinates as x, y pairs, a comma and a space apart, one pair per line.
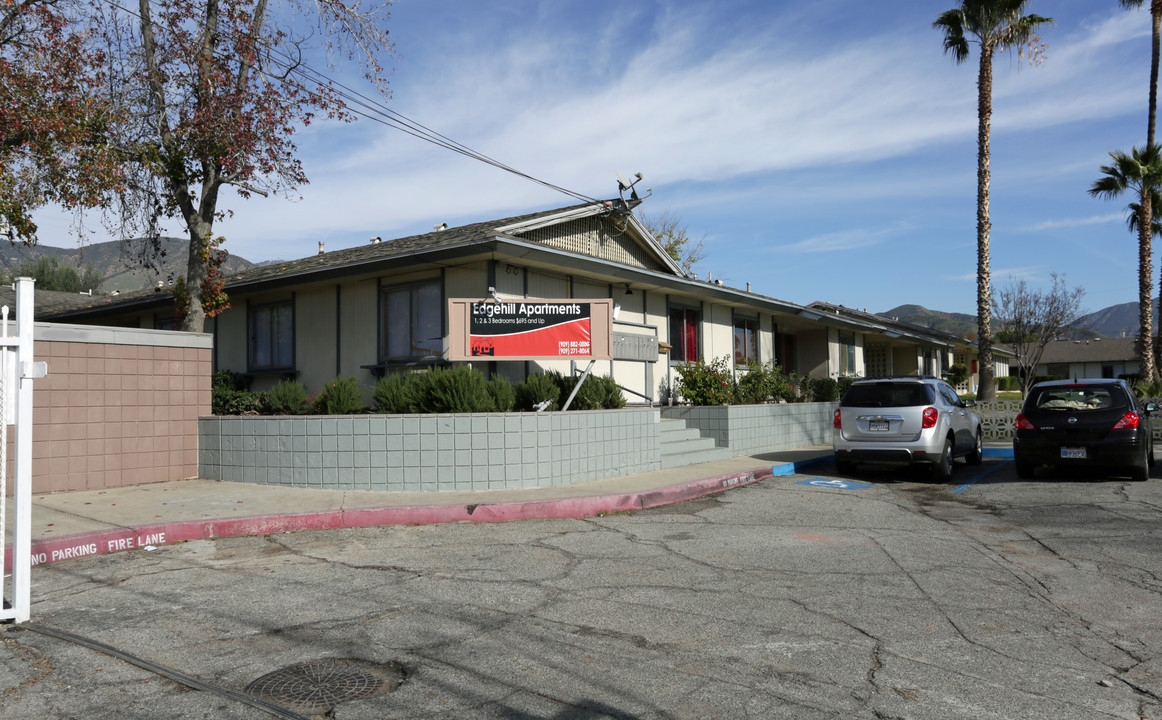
435, 453
118, 407
748, 429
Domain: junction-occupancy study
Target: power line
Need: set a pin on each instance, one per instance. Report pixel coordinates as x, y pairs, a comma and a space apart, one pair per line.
376, 111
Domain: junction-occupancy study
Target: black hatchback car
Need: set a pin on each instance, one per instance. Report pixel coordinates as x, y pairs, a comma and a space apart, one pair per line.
1091, 423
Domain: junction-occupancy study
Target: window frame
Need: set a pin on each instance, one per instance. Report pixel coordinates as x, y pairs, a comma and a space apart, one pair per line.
749, 325
414, 289
690, 332
847, 354
252, 310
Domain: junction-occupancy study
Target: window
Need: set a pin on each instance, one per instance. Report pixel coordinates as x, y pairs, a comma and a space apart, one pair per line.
786, 352
746, 341
272, 336
846, 353
684, 334
412, 319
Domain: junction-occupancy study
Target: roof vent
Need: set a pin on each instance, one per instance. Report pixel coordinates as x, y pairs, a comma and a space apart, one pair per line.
441, 226
376, 240
321, 250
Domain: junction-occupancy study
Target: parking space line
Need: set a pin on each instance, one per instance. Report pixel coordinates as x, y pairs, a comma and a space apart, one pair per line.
980, 476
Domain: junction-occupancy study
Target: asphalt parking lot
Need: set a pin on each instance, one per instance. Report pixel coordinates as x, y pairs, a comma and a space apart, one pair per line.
800, 596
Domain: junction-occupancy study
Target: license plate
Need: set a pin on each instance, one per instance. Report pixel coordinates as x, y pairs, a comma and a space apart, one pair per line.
1068, 453
878, 426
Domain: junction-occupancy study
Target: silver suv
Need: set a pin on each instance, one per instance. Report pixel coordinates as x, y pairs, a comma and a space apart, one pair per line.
902, 421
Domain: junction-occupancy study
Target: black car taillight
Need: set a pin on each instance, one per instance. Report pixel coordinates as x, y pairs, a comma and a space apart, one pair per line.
1129, 421
1024, 424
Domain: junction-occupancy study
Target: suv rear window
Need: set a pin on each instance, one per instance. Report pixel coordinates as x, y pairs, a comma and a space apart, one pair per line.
1076, 397
889, 394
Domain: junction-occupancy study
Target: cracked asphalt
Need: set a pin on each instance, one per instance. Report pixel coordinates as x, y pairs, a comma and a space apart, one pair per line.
988, 597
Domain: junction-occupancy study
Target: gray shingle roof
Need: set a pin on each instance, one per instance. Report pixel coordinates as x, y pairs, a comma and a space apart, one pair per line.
1105, 350
334, 260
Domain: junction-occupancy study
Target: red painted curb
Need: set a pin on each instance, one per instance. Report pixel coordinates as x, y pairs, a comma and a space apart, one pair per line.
101, 542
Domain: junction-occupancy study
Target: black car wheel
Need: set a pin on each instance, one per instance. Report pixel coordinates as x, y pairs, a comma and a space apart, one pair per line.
1141, 473
976, 455
942, 472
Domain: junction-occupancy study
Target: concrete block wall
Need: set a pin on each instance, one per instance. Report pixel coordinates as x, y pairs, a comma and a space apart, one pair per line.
430, 453
749, 429
118, 406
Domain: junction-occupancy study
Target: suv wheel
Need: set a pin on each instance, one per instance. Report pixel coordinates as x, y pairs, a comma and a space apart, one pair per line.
976, 455
942, 472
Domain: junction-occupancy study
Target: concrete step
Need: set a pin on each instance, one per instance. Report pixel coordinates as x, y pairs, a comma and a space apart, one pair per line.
681, 434
670, 447
695, 457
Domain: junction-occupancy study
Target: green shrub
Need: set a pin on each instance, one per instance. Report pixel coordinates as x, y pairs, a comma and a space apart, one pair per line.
824, 390
289, 397
611, 396
229, 396
501, 392
762, 384
395, 393
702, 384
342, 396
456, 389
536, 389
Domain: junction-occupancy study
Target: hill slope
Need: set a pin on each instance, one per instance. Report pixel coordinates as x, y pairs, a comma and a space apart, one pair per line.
118, 268
953, 323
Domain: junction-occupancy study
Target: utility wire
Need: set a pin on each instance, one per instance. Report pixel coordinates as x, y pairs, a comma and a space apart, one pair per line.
376, 111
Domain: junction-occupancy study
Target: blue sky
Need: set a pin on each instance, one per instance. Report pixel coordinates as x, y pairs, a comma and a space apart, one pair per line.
822, 150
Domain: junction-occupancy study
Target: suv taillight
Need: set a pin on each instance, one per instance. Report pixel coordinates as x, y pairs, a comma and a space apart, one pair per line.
837, 422
930, 416
1129, 421
1024, 424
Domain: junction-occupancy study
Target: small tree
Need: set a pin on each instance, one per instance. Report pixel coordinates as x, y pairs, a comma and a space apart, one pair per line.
1030, 319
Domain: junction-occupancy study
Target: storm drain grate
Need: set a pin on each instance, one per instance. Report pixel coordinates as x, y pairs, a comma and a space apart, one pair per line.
316, 687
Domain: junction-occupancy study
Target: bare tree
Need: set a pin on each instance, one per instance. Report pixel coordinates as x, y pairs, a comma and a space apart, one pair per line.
214, 92
675, 239
1029, 319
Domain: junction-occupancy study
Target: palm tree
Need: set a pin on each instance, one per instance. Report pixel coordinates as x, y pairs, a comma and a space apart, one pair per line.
1156, 20
1136, 209
996, 25
1140, 173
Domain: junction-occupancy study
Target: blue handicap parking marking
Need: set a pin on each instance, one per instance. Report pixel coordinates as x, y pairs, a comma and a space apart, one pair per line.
834, 484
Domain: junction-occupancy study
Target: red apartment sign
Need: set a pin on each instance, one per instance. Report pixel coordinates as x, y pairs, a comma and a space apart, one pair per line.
530, 329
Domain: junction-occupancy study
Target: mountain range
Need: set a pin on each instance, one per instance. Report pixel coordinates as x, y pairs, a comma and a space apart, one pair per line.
1112, 322
117, 265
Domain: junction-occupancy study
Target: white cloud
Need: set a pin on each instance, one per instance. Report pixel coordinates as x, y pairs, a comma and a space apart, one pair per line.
1077, 222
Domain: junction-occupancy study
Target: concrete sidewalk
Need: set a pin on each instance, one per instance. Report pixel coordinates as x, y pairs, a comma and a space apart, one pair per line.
94, 522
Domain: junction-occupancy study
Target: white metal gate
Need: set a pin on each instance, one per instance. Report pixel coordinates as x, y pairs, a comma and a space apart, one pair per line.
17, 371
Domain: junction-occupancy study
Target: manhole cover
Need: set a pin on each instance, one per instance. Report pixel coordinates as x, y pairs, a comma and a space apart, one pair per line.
316, 687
